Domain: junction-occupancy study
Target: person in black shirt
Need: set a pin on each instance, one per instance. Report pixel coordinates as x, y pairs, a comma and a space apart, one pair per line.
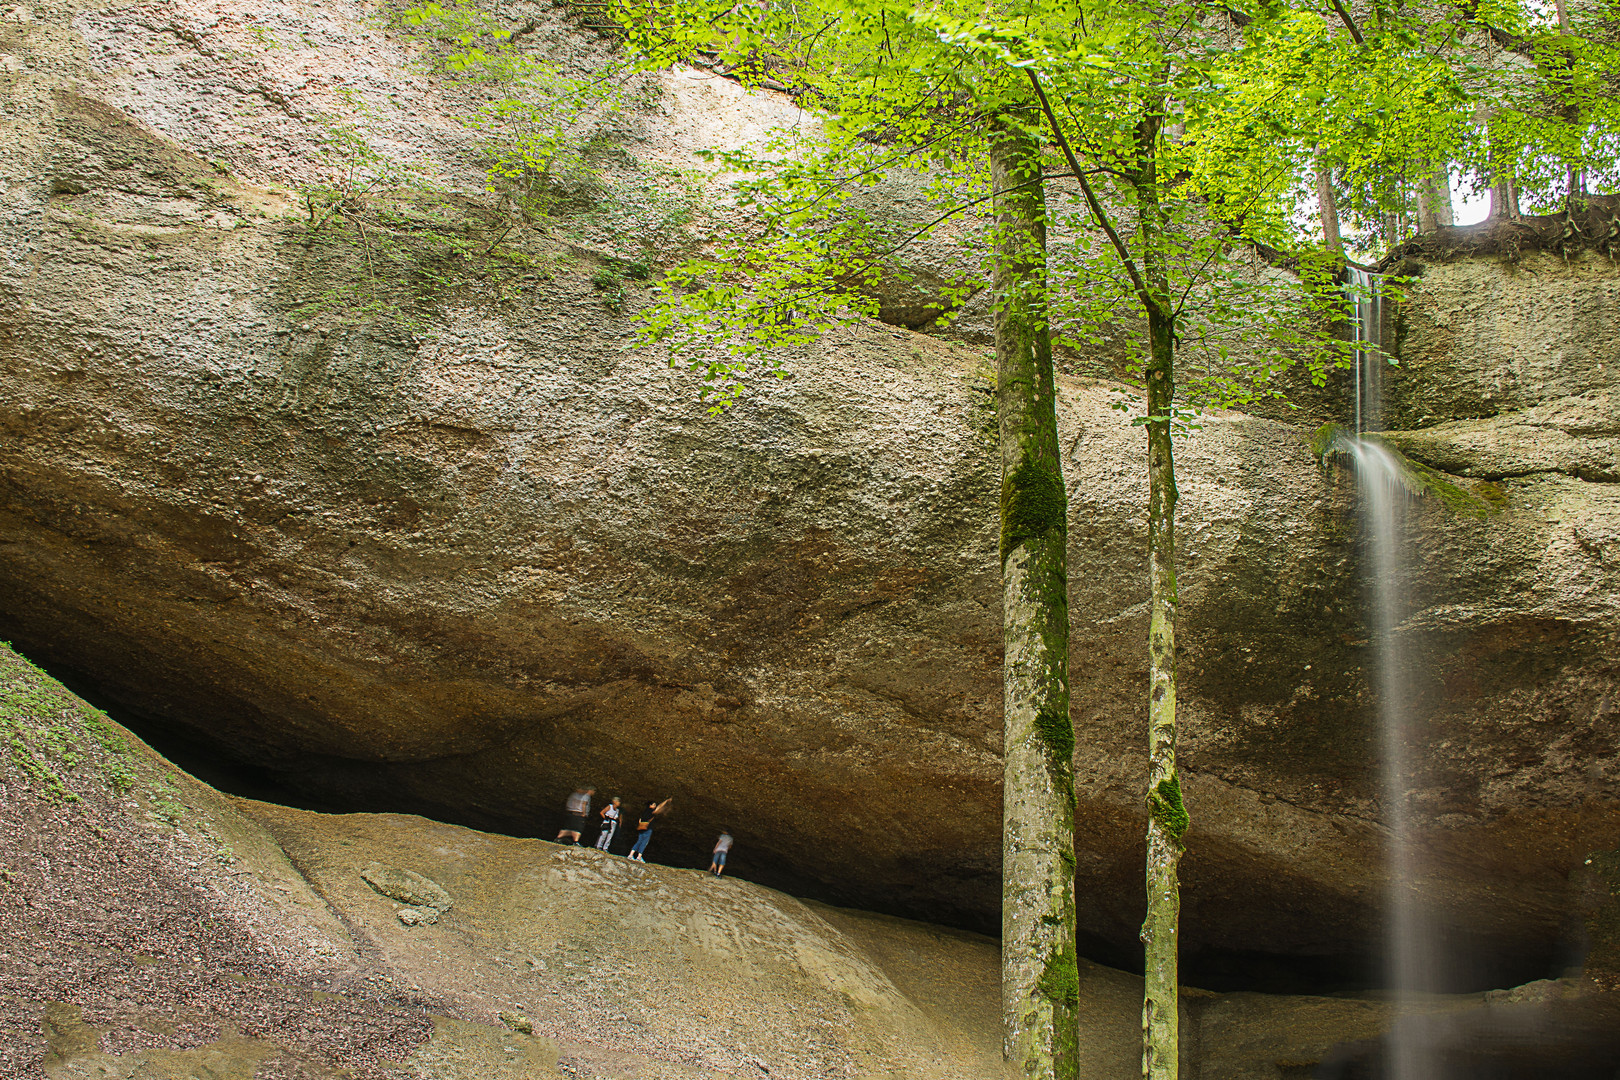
644, 827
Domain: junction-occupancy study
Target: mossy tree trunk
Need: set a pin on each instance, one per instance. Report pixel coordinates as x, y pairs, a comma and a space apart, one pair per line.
1040, 980
1167, 819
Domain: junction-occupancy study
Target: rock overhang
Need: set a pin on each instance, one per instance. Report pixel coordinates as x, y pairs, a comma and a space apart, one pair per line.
458, 567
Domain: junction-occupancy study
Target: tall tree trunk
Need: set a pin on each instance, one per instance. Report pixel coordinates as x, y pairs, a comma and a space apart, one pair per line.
1329, 209
1039, 977
1505, 199
1504, 192
1444, 215
1434, 201
1167, 818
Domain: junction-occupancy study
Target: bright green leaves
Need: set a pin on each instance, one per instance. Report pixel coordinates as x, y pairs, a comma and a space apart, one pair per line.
1219, 129
1372, 112
1491, 91
540, 123
480, 40
805, 248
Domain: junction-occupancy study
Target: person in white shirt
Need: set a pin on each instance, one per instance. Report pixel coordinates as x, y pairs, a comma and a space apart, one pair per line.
610, 824
722, 847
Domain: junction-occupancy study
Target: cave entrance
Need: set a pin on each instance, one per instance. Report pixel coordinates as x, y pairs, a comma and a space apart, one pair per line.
1485, 965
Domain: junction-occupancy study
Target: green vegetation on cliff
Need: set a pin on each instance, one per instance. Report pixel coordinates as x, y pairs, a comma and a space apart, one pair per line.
1333, 442
49, 733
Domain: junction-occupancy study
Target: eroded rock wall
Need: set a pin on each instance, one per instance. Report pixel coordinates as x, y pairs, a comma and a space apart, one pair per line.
153, 928
461, 561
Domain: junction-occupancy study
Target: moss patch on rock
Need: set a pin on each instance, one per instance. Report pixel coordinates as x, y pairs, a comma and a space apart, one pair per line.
1334, 442
48, 733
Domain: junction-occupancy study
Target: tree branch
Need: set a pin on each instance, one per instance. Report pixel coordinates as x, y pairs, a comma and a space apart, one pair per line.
1350, 24
1092, 201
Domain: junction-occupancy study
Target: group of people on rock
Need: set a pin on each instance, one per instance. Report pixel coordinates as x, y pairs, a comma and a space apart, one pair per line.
577, 815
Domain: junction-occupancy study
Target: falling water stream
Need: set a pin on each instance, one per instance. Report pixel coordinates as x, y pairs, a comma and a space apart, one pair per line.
1409, 956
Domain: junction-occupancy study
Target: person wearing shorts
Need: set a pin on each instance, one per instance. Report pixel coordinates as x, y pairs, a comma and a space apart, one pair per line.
722, 848
579, 805
644, 827
610, 824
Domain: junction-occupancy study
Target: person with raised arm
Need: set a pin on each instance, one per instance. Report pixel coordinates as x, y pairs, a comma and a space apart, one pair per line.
644, 827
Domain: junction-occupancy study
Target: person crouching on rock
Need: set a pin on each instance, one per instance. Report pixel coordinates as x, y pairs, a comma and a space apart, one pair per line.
644, 827
610, 824
722, 848
579, 804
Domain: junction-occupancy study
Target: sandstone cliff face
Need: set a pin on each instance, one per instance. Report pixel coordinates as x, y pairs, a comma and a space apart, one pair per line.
461, 561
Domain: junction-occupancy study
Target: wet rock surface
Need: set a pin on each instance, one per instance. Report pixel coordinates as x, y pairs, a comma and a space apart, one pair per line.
460, 565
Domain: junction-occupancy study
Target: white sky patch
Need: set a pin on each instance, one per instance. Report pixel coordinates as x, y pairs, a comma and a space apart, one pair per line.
1468, 208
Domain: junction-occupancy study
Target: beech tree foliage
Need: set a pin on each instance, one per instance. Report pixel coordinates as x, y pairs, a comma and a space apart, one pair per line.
1109, 163
1399, 101
1112, 100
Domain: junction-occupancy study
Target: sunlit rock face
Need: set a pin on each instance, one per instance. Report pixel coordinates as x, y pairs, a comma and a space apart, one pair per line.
464, 561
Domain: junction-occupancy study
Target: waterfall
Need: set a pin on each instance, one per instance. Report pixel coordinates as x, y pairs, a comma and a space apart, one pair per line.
1409, 953
1368, 328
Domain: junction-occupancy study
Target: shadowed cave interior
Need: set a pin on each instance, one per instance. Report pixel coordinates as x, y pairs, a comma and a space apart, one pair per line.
1475, 964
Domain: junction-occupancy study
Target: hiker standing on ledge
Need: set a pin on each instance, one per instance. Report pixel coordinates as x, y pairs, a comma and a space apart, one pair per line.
579, 804
610, 824
722, 848
644, 826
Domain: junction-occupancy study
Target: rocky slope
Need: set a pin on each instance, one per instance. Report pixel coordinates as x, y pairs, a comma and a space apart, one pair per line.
394, 516
152, 929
